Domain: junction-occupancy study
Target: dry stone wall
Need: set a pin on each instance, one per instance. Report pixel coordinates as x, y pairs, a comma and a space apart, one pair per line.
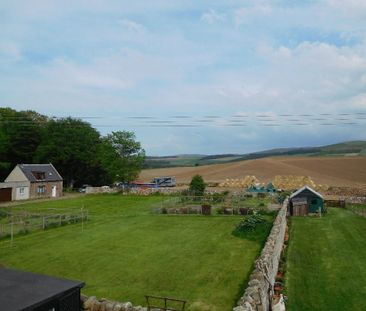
93, 304
258, 294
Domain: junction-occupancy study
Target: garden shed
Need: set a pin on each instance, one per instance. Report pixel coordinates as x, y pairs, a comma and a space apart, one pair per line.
304, 201
35, 292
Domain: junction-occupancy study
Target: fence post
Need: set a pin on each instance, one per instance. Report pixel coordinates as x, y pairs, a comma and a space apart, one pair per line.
82, 219
12, 231
43, 223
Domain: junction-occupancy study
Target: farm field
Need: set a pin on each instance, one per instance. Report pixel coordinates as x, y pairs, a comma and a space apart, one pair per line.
326, 262
126, 251
333, 171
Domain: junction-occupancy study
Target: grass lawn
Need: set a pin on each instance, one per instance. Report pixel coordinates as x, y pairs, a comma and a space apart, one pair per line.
125, 252
326, 265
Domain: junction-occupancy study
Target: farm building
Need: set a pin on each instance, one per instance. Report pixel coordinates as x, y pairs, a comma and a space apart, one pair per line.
29, 181
305, 201
34, 292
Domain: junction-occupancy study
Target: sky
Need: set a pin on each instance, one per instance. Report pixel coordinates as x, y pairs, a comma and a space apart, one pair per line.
203, 77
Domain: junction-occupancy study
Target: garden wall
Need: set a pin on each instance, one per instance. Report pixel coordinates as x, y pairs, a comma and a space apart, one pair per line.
93, 304
258, 294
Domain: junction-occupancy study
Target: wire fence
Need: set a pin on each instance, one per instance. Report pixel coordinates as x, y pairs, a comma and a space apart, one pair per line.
358, 209
222, 204
357, 205
17, 222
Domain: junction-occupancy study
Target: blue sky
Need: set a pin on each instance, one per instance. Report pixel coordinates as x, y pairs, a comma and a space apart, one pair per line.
191, 76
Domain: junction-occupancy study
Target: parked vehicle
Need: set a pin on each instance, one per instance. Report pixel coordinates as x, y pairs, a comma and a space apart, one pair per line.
166, 181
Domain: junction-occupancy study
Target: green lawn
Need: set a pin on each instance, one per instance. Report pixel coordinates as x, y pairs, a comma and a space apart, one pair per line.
125, 252
326, 265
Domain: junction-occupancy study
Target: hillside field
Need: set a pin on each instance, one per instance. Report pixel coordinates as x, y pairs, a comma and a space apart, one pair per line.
126, 251
333, 171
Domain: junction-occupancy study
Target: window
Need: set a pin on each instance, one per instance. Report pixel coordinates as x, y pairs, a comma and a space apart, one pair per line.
21, 190
314, 201
39, 175
41, 189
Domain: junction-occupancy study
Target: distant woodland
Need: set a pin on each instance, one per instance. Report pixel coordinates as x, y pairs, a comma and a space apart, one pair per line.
77, 150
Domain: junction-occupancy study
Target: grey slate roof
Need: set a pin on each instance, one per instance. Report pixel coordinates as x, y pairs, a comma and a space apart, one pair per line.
50, 173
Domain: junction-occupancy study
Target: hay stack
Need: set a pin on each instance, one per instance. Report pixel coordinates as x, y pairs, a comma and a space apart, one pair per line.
290, 182
245, 182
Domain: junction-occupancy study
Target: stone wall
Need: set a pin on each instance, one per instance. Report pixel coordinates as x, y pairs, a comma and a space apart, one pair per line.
258, 294
93, 304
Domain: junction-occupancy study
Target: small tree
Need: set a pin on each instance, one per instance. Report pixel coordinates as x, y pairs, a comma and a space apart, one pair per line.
197, 186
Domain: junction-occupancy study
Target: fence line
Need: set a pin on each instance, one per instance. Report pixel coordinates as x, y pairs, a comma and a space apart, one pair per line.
23, 222
358, 209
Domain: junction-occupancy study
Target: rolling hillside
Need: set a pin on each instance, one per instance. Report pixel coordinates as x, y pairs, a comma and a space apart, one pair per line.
351, 148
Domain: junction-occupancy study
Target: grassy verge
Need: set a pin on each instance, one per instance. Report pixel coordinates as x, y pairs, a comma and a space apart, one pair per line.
326, 267
125, 251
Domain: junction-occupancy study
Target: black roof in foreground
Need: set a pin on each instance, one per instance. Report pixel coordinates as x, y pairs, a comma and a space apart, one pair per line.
24, 290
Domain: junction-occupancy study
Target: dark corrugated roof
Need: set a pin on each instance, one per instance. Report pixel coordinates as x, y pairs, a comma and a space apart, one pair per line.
22, 290
32, 170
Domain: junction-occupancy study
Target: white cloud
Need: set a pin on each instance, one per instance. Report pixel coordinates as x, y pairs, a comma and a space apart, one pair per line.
212, 16
86, 55
245, 14
358, 101
67, 74
132, 26
349, 6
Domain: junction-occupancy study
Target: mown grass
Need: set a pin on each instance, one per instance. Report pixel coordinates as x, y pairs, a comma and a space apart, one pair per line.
326, 266
125, 252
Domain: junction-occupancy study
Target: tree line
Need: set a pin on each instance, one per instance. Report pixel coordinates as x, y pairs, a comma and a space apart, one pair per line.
77, 150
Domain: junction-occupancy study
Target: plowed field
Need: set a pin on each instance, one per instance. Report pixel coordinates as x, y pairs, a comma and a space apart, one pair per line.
333, 171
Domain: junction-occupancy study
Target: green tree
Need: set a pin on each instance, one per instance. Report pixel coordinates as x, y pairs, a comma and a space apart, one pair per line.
197, 186
122, 156
20, 135
72, 145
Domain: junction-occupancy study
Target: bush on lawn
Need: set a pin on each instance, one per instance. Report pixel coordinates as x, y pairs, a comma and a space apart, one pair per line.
250, 223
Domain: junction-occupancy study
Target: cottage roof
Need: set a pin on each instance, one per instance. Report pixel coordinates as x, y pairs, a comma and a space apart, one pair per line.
304, 188
26, 291
37, 172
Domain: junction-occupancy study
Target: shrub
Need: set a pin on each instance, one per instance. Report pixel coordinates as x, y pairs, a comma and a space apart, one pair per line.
249, 224
219, 210
197, 186
217, 197
282, 196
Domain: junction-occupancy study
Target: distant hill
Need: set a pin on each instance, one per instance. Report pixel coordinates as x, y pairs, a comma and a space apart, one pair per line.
351, 148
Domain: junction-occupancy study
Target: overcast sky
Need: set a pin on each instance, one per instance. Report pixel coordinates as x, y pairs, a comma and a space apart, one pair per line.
191, 76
